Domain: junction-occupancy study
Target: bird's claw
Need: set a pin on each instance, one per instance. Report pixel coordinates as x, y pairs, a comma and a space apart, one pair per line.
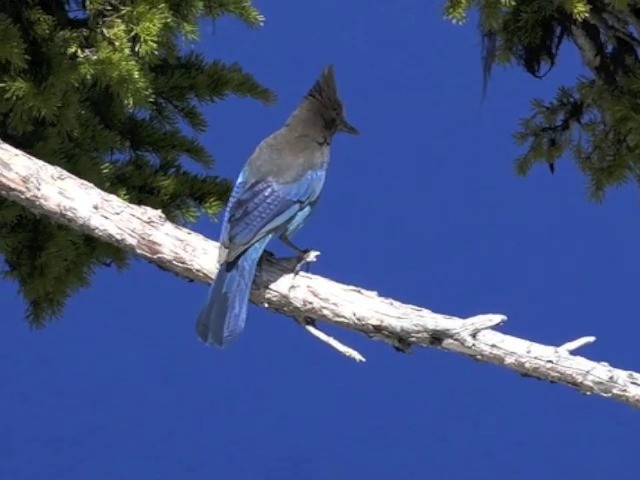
306, 258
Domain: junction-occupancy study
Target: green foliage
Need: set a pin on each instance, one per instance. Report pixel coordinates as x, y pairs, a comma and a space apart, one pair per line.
597, 120
103, 90
596, 124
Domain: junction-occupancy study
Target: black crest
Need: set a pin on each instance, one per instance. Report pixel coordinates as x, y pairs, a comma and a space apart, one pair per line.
325, 92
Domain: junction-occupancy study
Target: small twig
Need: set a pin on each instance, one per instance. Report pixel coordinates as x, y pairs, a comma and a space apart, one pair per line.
473, 325
577, 343
309, 326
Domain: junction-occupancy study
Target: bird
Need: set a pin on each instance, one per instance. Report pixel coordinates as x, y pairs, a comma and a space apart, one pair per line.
272, 197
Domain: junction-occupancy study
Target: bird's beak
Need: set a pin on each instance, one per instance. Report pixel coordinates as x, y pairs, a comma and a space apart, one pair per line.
346, 127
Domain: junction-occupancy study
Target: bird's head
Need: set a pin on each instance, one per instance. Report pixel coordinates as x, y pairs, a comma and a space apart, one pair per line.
324, 100
321, 115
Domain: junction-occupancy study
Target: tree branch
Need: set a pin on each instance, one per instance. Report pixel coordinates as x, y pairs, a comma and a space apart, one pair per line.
51, 191
586, 38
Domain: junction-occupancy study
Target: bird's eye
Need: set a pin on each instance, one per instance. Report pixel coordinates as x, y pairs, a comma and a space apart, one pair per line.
331, 122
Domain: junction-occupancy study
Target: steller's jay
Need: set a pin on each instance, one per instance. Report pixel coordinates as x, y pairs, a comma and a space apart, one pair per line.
273, 196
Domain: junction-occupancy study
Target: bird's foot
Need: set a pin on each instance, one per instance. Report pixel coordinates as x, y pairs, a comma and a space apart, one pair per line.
285, 240
306, 258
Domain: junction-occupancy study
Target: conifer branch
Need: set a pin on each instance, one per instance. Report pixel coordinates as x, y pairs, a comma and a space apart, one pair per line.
50, 191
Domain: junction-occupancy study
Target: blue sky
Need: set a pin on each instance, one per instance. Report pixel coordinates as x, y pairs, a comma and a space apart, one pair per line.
423, 207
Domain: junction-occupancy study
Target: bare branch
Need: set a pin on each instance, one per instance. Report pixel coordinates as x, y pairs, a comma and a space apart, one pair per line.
576, 344
309, 326
64, 198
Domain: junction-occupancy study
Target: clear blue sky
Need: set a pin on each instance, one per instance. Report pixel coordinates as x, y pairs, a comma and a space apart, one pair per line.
423, 207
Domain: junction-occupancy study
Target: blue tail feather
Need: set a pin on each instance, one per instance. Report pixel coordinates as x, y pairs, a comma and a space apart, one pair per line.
224, 314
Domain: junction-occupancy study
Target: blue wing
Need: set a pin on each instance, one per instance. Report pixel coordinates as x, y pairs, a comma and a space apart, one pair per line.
265, 206
257, 210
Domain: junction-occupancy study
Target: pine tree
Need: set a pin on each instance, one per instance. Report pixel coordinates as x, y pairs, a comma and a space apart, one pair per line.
103, 89
597, 119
